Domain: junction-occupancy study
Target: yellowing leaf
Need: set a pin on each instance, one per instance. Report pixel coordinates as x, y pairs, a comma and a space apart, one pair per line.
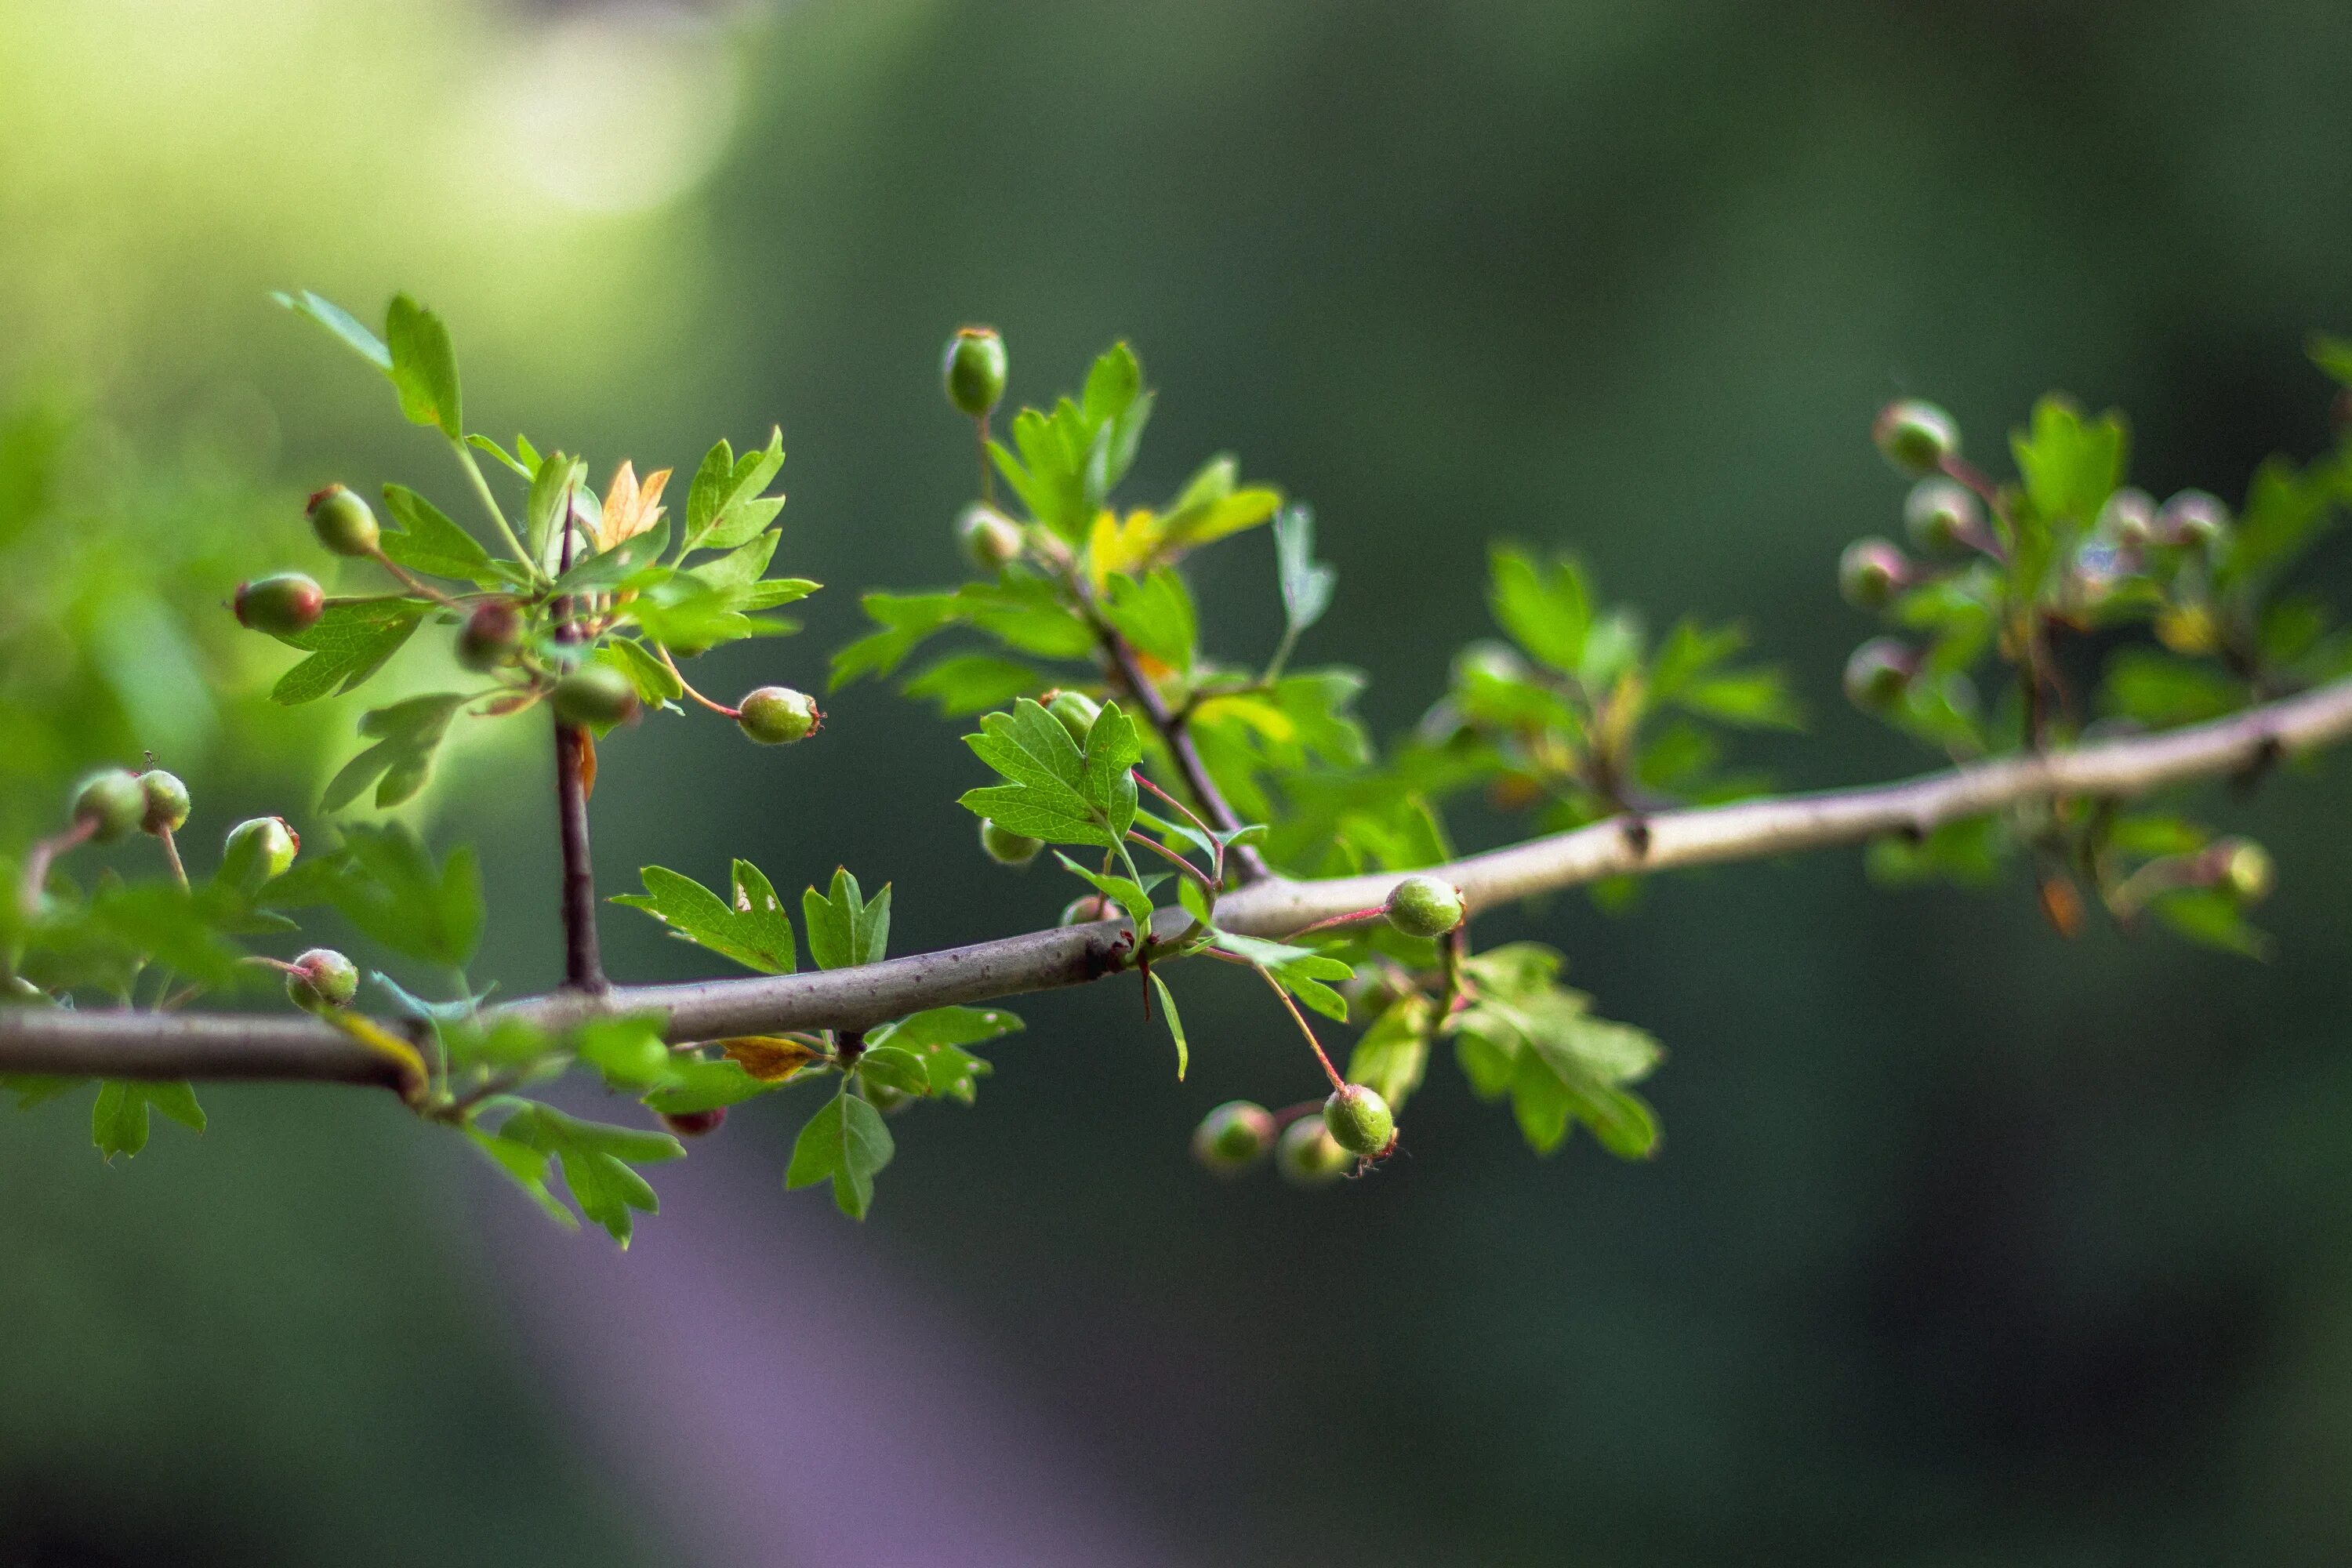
1232, 513
1257, 713
1115, 546
630, 509
771, 1058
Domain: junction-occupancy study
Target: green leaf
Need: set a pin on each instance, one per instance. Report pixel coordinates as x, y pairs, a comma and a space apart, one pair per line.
724, 508
754, 931
656, 685
558, 479
595, 1159
939, 1034
427, 542
1129, 895
1547, 610
390, 888
527, 1168
2070, 465
526, 471
1301, 971
1155, 613
346, 328
968, 683
627, 1051
407, 734
37, 1088
1046, 797
1175, 1025
846, 930
847, 1143
348, 644
615, 567
423, 367
2211, 917
699, 1085
1757, 697
1526, 1032
1390, 1057
118, 1121
1307, 583
1210, 508
895, 1068
1116, 405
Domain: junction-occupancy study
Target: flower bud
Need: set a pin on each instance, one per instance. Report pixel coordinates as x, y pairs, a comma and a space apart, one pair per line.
778, 715
694, 1123
2128, 518
1424, 906
1007, 848
973, 370
280, 606
595, 695
1878, 673
1077, 713
257, 849
1942, 514
490, 634
1308, 1156
110, 802
167, 803
1870, 572
1360, 1121
323, 980
1233, 1137
2243, 868
1915, 436
1086, 910
343, 522
990, 539
2195, 518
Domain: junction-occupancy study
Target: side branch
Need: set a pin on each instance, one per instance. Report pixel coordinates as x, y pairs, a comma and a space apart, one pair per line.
1179, 738
125, 1044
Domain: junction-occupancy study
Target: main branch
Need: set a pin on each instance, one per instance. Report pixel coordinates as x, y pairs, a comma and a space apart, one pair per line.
125, 1044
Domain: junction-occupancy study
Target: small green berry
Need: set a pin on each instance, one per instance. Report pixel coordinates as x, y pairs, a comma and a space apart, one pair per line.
2246, 869
1915, 436
257, 849
1308, 1156
491, 635
280, 606
1870, 572
2128, 518
990, 539
323, 980
778, 715
595, 695
1007, 848
343, 522
1424, 906
1077, 711
1233, 1137
1878, 673
1360, 1121
973, 370
1942, 514
167, 803
110, 803
1086, 910
2192, 518
1487, 659
694, 1123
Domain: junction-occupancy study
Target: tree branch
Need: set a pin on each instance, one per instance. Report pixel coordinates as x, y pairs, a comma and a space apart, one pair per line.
1179, 738
126, 1044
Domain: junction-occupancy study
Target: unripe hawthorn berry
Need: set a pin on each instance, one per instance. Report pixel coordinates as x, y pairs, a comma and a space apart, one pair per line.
778, 715
2128, 518
1360, 1121
1487, 659
1870, 571
110, 802
990, 539
973, 370
2243, 868
2194, 517
694, 1123
257, 849
1942, 514
1424, 906
1878, 673
343, 522
1915, 436
167, 803
1233, 1137
323, 980
1308, 1156
491, 635
1077, 711
1086, 910
1007, 848
281, 605
595, 694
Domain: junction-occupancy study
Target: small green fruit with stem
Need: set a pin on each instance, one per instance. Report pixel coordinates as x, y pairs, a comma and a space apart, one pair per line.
694, 1123
973, 370
778, 715
323, 980
1942, 514
281, 605
1308, 1156
1007, 848
1233, 1137
1424, 906
1878, 673
166, 803
595, 695
491, 635
343, 522
1360, 1121
1915, 436
990, 539
1086, 910
257, 849
1077, 711
110, 804
1870, 572
2247, 870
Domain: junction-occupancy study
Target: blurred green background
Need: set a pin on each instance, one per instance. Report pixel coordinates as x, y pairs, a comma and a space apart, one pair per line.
1969, 1245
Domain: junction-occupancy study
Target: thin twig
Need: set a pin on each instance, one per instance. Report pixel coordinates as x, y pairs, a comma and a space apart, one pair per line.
1304, 1028
688, 687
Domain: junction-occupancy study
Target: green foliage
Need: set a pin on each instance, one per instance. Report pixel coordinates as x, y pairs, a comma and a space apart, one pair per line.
750, 927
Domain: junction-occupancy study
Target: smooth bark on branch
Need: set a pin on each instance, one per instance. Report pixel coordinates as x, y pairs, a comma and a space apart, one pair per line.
126, 1044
